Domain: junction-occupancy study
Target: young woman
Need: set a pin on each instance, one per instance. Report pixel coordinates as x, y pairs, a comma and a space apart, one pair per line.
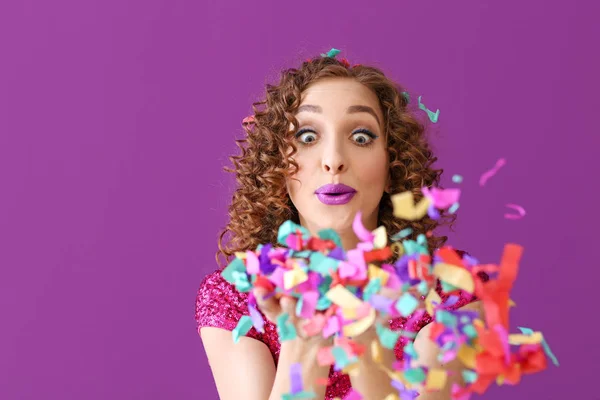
328, 141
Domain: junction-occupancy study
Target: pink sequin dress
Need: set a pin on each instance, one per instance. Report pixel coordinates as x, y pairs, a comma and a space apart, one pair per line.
219, 304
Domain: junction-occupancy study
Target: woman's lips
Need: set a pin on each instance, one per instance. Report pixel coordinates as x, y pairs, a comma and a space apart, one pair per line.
335, 194
335, 199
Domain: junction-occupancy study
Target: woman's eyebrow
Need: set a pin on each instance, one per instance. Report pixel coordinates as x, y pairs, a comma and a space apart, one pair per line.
350, 110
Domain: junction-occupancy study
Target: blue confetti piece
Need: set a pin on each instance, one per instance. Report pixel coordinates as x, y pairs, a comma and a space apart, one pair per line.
432, 116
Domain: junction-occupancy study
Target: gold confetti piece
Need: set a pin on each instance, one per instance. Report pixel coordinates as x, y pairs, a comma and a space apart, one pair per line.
432, 296
376, 352
518, 338
500, 380
455, 276
466, 355
511, 303
340, 296
436, 379
380, 240
397, 248
405, 208
356, 328
349, 313
375, 272
392, 396
240, 254
293, 278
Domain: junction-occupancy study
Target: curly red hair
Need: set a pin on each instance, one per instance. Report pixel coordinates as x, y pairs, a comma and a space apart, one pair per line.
260, 203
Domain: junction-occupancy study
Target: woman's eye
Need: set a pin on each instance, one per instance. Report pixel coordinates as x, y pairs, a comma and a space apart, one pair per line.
307, 137
362, 138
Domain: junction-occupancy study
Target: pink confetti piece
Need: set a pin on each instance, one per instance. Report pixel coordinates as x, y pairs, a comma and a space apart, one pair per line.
257, 320
332, 326
252, 263
353, 395
487, 175
441, 198
516, 207
309, 304
361, 232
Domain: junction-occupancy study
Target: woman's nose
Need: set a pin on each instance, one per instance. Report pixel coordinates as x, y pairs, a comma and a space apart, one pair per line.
333, 159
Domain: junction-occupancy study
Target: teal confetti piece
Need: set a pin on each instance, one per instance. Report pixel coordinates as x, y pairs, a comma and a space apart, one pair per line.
330, 234
446, 318
447, 288
236, 265
341, 358
372, 287
415, 375
323, 303
545, 346
457, 178
299, 305
406, 304
299, 395
402, 234
409, 349
453, 208
242, 327
432, 116
469, 376
241, 282
406, 96
387, 337
423, 288
285, 329
322, 264
290, 227
470, 331
422, 239
331, 53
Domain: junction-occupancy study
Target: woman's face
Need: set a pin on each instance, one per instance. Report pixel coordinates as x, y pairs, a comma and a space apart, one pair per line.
342, 156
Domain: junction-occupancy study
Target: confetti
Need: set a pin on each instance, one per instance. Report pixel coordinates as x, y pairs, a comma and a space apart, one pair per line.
433, 117
520, 210
341, 293
487, 175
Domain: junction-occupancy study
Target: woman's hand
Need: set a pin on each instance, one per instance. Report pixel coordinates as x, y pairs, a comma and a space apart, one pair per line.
273, 307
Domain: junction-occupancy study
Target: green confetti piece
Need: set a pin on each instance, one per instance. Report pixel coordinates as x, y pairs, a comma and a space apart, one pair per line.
470, 331
402, 234
331, 53
414, 375
289, 227
236, 265
387, 337
406, 304
469, 376
447, 288
299, 396
330, 234
241, 282
453, 208
322, 264
286, 330
242, 327
406, 96
409, 349
372, 287
446, 318
433, 117
323, 303
545, 346
341, 358
457, 178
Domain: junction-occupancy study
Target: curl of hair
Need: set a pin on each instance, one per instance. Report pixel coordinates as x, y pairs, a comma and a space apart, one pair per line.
260, 203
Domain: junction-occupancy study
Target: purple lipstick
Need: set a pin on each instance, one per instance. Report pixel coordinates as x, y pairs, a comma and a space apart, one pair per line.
335, 194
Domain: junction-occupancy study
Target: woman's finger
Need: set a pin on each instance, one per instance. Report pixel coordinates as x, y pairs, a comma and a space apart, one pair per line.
270, 307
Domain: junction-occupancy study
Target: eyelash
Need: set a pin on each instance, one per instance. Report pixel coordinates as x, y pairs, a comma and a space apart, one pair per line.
360, 130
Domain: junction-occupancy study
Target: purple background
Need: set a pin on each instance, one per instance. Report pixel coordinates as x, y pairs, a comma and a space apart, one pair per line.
116, 118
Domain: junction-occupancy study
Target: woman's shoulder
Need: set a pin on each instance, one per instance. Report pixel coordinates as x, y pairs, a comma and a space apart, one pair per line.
219, 303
